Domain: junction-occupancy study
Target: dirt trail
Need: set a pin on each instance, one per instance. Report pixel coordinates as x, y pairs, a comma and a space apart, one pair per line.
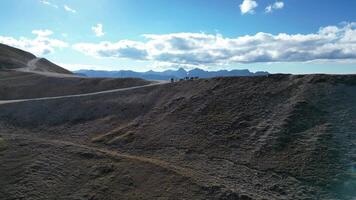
80, 95
275, 137
184, 172
31, 67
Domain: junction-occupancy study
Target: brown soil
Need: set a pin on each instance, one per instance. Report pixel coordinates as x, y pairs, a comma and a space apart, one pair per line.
21, 85
44, 65
11, 58
275, 137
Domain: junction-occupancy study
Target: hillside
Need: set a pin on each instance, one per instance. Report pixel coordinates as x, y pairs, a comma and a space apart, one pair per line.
11, 58
43, 65
17, 59
23, 76
270, 137
21, 85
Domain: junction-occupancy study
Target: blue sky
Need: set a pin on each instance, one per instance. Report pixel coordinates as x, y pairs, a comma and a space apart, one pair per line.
289, 36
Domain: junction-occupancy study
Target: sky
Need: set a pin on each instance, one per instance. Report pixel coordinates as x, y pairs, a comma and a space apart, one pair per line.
278, 36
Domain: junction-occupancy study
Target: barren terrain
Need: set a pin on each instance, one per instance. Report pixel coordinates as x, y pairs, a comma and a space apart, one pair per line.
249, 138
275, 137
21, 85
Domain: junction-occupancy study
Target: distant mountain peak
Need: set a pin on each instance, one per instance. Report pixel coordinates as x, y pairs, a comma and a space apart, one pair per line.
181, 69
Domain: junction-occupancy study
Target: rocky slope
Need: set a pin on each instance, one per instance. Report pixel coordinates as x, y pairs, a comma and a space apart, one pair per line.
13, 58
272, 137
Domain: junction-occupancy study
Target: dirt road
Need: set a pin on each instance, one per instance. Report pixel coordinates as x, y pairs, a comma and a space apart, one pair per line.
80, 95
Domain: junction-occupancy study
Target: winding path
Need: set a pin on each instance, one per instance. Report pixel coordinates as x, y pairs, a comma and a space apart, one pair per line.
80, 95
31, 67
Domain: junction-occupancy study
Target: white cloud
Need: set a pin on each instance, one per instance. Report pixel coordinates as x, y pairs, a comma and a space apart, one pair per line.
329, 43
279, 5
98, 30
42, 44
121, 49
42, 33
276, 6
69, 9
161, 66
75, 66
248, 6
45, 2
48, 3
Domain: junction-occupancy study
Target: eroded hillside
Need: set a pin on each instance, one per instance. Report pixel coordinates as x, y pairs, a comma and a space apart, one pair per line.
273, 137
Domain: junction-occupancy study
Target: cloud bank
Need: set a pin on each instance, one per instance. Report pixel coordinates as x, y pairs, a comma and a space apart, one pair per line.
121, 49
329, 43
41, 45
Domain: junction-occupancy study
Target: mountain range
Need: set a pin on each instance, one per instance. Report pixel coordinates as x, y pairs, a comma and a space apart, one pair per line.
168, 74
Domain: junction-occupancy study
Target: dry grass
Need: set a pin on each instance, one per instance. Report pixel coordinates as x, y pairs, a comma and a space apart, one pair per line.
217, 137
3, 145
